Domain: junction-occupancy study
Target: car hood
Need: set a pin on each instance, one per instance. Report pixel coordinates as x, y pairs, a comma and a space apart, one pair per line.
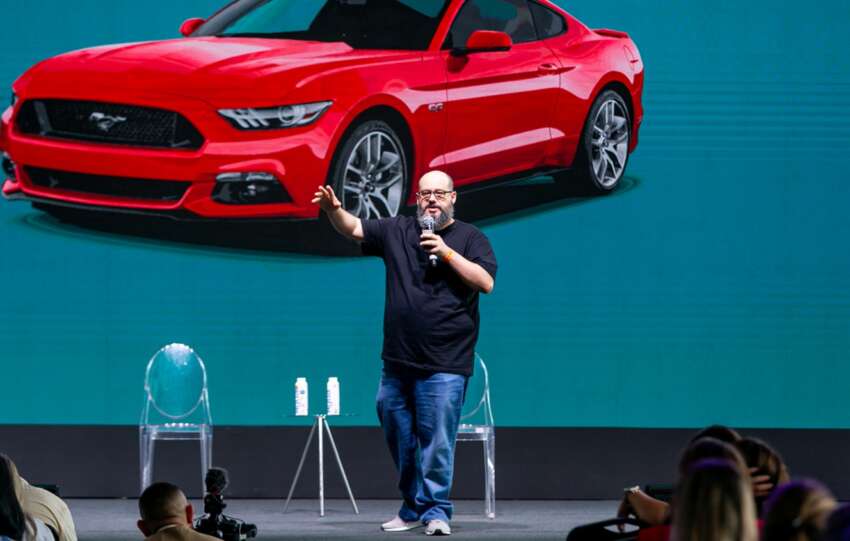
222, 71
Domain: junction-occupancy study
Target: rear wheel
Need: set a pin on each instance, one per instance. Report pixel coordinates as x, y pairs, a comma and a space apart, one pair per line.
604, 147
370, 173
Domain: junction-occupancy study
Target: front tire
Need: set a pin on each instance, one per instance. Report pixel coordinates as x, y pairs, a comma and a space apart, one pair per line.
370, 173
604, 148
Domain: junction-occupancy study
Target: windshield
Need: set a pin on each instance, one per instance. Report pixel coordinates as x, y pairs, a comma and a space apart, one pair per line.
362, 24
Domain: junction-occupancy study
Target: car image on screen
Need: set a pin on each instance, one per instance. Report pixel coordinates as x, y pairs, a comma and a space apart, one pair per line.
252, 108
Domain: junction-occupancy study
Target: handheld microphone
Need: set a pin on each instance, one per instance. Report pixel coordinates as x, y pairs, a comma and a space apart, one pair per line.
428, 225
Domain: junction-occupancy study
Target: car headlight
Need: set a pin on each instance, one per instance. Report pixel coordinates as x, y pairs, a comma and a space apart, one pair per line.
285, 116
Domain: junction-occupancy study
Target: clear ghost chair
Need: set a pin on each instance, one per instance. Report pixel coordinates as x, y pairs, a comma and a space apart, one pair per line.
476, 424
177, 406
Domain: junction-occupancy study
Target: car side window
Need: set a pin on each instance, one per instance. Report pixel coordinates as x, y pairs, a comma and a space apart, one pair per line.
549, 24
510, 16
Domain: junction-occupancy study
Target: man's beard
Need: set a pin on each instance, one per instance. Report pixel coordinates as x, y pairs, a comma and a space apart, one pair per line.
440, 221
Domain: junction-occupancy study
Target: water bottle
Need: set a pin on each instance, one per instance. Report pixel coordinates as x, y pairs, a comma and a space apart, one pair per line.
301, 402
333, 396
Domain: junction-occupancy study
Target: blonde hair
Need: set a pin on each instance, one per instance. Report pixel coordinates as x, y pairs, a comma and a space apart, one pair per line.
18, 490
714, 503
17, 483
797, 511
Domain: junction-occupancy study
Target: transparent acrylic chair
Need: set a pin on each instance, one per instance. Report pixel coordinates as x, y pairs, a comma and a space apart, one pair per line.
177, 406
476, 424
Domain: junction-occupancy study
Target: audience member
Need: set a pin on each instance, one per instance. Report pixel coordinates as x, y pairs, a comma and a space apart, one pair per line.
766, 468
838, 524
14, 522
49, 508
656, 512
714, 502
797, 511
723, 479
166, 515
709, 447
763, 483
718, 432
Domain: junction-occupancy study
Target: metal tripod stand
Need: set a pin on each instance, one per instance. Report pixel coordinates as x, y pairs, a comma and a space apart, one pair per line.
322, 423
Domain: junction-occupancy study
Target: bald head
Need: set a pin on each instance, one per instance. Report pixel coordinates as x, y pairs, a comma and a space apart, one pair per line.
436, 180
436, 198
163, 503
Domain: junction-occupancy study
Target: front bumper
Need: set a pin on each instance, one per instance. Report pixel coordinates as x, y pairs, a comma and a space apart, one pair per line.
298, 159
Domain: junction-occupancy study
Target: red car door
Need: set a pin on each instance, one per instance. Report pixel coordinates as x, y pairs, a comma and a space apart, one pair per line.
499, 104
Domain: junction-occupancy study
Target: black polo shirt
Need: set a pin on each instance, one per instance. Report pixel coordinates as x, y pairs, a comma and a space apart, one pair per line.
430, 315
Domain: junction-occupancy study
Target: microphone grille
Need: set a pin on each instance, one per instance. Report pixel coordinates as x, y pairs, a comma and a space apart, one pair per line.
428, 222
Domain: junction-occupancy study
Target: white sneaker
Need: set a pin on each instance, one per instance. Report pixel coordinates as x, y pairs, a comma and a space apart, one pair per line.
438, 527
400, 525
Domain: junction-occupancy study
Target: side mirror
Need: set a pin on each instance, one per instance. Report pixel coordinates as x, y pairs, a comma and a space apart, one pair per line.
483, 41
190, 25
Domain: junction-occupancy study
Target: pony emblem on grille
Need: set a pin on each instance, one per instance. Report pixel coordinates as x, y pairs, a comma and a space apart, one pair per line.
105, 122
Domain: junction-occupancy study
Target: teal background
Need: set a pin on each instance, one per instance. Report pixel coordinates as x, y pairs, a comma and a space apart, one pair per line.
714, 287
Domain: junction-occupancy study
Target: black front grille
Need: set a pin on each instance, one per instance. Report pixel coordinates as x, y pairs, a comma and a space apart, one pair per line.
108, 123
129, 188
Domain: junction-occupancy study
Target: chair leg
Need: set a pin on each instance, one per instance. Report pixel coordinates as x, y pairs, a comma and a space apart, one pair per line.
146, 457
142, 459
206, 456
490, 475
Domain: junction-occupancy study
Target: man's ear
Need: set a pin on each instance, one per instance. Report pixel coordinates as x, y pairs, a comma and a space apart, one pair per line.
143, 527
190, 514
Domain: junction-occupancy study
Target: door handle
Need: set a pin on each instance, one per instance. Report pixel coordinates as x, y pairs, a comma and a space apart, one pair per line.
550, 69
547, 68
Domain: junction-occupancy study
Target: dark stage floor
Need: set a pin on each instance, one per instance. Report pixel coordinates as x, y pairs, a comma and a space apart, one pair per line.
115, 520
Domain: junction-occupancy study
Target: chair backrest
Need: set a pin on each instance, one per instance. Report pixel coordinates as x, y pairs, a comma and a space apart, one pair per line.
477, 409
176, 385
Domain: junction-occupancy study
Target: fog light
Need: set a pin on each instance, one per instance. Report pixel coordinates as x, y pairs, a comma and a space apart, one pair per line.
8, 167
249, 188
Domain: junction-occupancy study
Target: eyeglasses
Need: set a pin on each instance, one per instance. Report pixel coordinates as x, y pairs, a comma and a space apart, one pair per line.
439, 194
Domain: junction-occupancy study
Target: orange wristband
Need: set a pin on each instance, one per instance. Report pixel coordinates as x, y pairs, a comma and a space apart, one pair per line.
448, 256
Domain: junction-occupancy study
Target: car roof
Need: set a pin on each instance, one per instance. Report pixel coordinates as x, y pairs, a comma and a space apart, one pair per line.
455, 5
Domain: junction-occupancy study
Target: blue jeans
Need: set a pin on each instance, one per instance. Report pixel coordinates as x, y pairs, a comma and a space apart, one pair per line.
420, 412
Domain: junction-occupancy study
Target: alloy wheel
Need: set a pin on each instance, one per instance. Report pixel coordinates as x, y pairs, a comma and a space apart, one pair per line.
609, 143
374, 177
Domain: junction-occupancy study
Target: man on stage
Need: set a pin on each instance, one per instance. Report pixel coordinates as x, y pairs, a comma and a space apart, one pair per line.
430, 330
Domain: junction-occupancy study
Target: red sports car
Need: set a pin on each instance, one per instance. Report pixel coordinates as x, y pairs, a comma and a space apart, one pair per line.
255, 106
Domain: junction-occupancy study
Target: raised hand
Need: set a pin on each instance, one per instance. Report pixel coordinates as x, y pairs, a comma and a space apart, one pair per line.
762, 486
326, 199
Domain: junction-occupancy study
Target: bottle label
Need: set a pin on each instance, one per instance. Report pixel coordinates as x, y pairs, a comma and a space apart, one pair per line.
301, 401
333, 396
